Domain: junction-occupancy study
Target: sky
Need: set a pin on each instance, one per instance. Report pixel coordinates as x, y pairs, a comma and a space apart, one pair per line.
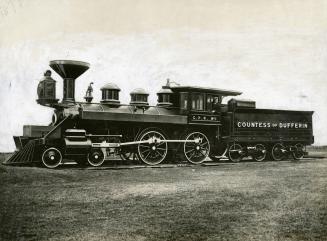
274, 51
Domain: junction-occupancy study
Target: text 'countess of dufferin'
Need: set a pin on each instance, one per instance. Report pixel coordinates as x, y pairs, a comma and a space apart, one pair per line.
259, 124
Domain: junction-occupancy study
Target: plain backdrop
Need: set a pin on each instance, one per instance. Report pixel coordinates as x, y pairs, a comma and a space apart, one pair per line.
274, 51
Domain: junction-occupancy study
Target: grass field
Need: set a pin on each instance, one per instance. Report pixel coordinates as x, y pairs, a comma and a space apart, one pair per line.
245, 201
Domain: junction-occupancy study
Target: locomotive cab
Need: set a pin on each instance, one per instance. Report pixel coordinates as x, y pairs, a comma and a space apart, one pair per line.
193, 98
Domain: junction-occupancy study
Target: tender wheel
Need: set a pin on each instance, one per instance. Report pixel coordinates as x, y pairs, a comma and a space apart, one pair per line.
235, 153
196, 152
51, 157
278, 152
154, 149
298, 153
95, 158
260, 153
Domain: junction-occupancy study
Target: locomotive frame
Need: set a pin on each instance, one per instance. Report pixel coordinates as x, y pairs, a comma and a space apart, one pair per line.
188, 123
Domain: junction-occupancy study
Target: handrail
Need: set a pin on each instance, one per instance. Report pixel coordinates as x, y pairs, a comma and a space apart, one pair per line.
90, 135
99, 103
56, 127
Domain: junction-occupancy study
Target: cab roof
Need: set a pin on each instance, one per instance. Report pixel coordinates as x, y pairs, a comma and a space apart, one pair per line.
205, 90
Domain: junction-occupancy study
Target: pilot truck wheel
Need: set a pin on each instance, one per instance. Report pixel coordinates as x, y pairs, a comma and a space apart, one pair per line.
51, 157
196, 152
154, 149
95, 158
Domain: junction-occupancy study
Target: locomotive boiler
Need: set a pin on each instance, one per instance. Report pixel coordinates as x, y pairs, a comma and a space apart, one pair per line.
189, 123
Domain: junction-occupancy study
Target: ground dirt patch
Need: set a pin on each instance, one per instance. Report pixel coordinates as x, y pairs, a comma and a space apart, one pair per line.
247, 201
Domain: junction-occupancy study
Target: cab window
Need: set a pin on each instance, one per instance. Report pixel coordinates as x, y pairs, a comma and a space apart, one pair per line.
183, 100
209, 102
197, 102
213, 102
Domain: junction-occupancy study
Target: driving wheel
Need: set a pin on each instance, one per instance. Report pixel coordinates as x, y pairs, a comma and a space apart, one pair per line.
153, 148
196, 147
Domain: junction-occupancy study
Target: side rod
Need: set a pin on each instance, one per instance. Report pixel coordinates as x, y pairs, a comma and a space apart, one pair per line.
107, 145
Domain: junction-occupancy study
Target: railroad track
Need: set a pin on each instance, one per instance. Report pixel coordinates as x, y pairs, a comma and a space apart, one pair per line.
224, 162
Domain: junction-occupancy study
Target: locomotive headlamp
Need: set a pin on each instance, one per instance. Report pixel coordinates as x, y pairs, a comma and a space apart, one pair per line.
46, 90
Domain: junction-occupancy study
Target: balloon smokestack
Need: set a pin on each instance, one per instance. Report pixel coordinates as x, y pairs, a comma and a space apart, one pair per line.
69, 70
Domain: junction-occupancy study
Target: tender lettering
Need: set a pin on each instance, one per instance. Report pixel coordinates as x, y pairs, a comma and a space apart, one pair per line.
280, 125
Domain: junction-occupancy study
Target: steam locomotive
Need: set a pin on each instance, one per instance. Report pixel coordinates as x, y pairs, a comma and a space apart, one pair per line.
188, 123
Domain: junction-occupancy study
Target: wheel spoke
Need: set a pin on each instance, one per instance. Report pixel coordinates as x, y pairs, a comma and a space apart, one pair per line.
145, 151
145, 146
189, 151
159, 153
147, 156
192, 155
159, 148
203, 148
205, 143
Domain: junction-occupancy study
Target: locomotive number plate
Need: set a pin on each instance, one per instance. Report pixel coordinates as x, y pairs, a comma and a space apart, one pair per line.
202, 118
